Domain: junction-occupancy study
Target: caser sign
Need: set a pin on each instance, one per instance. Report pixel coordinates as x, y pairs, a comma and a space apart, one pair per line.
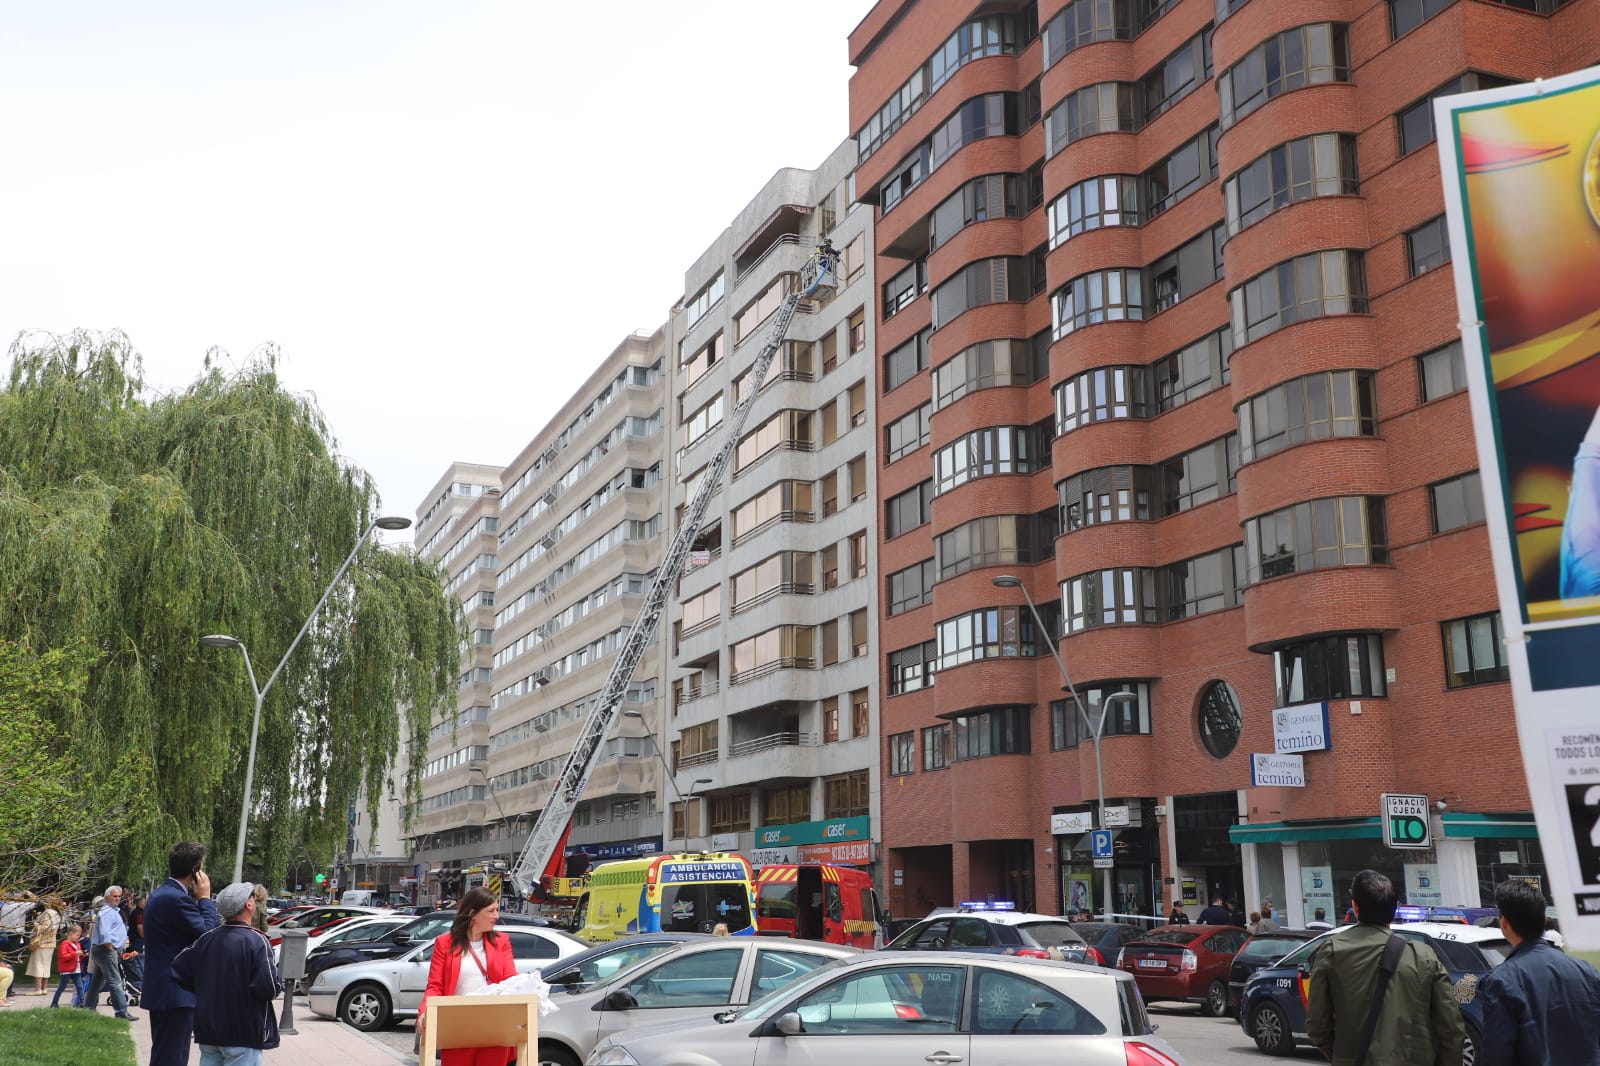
1298, 729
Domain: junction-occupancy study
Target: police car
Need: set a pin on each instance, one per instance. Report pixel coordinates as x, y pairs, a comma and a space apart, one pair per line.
997, 927
1273, 1008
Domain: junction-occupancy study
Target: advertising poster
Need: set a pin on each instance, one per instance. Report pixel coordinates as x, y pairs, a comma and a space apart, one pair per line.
1521, 173
1080, 894
1422, 885
1316, 889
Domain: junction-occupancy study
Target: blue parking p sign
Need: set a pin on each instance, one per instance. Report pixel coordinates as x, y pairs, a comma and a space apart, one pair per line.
1101, 841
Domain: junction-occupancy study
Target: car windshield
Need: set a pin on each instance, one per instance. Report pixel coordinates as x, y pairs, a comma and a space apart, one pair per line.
762, 1007
608, 964
1051, 934
427, 928
1270, 947
1169, 936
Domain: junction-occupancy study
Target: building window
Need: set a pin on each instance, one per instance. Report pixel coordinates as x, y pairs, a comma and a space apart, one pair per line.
902, 754
1063, 725
830, 720
708, 297
762, 307
1428, 246
1457, 502
1206, 583
1100, 296
1329, 668
1200, 476
908, 433
1188, 169
1416, 122
991, 196
1124, 596
1339, 403
1297, 290
730, 814
1124, 718
1474, 651
1087, 21
1305, 55
1186, 270
1176, 76
1001, 279
996, 540
1316, 535
1219, 719
1099, 395
911, 588
1108, 494
1322, 165
905, 362
912, 668
992, 633
1104, 108
1442, 371
846, 796
779, 648
936, 754
991, 115
904, 287
860, 714
784, 501
1407, 15
786, 573
991, 364
858, 333
985, 453
786, 806
997, 731
1100, 202
1193, 370
908, 510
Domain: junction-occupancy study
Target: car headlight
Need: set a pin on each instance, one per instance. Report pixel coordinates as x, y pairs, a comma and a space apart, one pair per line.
321, 980
609, 1054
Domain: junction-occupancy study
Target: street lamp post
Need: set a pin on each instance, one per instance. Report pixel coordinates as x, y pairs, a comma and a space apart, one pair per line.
688, 804
1010, 581
222, 640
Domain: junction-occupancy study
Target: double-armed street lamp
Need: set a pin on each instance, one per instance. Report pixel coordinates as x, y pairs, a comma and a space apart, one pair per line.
1010, 581
222, 640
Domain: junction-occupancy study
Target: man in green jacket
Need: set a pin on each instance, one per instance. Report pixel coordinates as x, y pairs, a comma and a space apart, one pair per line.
1419, 1023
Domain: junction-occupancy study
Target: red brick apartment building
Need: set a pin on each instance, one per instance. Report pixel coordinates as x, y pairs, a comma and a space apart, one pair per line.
1167, 331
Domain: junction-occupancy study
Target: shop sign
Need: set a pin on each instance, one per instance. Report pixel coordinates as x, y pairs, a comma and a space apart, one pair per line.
1405, 821
773, 856
1072, 823
1303, 728
850, 853
1116, 817
622, 850
1283, 771
725, 842
1316, 889
832, 831
1422, 885
1191, 892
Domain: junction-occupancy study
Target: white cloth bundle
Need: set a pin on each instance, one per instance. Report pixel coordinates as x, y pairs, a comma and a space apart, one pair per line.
529, 984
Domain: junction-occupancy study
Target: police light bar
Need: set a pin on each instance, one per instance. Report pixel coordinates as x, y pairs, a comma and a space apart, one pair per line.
988, 905
1407, 913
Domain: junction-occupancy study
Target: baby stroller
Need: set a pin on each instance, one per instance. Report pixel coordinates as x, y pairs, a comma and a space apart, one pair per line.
132, 963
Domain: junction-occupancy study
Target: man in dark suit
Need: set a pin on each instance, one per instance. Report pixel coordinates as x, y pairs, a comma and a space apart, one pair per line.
177, 914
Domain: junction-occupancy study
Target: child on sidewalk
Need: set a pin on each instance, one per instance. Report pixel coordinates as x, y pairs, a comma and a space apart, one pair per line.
69, 960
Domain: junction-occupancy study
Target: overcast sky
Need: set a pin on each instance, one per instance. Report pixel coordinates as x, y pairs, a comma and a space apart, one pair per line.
444, 214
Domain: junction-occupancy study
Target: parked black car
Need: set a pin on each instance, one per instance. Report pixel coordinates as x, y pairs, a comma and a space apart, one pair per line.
394, 941
1105, 940
1262, 949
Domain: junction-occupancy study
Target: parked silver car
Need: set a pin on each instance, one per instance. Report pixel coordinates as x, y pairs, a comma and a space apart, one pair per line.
905, 1009
369, 995
687, 982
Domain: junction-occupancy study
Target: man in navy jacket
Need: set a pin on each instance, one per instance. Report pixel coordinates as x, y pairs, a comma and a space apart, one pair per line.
1540, 1006
231, 973
175, 916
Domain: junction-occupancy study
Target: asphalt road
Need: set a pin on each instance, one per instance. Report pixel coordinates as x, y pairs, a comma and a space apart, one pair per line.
1201, 1041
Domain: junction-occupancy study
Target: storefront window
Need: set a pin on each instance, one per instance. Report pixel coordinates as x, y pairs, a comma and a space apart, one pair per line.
1328, 866
1504, 859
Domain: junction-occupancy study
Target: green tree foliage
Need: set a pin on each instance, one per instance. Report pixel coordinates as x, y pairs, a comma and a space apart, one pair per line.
133, 524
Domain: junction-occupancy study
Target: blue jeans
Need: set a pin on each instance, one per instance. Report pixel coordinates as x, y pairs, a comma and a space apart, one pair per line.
107, 974
211, 1055
68, 980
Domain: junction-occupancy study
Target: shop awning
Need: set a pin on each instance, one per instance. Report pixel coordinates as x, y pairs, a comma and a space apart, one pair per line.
1509, 825
1281, 832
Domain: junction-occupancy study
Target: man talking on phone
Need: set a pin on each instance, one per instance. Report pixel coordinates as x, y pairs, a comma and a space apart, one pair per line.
177, 914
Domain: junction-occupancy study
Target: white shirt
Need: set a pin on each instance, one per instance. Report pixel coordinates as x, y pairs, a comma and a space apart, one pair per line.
471, 981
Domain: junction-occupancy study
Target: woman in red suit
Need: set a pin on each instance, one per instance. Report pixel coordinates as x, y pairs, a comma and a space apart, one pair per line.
467, 959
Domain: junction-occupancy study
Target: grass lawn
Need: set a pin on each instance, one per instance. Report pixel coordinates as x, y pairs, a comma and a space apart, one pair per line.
63, 1038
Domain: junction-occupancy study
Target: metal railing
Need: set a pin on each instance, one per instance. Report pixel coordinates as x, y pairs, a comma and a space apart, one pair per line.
756, 745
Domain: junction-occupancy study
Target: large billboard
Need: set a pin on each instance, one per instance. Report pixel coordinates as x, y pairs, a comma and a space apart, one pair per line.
1521, 172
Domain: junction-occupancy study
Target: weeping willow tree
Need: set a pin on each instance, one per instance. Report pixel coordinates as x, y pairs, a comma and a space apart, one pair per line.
132, 524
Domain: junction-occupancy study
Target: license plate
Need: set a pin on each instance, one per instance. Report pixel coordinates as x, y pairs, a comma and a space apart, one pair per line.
1153, 964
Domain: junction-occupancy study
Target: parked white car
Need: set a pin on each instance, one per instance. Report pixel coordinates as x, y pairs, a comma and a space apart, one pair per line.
370, 995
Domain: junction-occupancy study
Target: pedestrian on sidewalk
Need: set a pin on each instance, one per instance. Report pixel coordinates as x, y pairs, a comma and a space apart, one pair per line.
1541, 1005
1380, 999
110, 936
176, 914
42, 947
69, 957
230, 973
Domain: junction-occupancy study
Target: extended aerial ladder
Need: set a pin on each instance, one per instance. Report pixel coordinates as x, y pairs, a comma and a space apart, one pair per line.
819, 273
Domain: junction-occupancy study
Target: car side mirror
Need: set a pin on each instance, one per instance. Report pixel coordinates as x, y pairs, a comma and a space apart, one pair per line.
621, 999
789, 1024
402, 938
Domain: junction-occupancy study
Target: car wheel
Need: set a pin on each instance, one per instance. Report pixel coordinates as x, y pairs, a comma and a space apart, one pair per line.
1469, 1048
1270, 1030
365, 1007
556, 1055
1216, 1001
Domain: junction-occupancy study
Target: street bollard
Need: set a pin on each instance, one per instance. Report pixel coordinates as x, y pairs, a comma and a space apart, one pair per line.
291, 968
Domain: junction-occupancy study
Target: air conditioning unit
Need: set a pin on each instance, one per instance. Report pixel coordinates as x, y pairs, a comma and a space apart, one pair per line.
541, 725
552, 491
550, 537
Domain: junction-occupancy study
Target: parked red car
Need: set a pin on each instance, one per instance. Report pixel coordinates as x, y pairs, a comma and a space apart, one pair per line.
1186, 963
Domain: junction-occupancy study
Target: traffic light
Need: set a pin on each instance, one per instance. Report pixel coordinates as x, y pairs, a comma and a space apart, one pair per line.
320, 878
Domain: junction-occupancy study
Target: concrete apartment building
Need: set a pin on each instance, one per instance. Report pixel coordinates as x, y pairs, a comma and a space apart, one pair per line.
773, 674
549, 557
1160, 280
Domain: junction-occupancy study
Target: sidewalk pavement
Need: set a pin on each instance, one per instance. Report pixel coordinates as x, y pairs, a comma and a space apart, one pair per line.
321, 1041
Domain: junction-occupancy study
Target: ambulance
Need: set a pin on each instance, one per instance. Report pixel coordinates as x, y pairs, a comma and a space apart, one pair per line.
818, 901
686, 893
